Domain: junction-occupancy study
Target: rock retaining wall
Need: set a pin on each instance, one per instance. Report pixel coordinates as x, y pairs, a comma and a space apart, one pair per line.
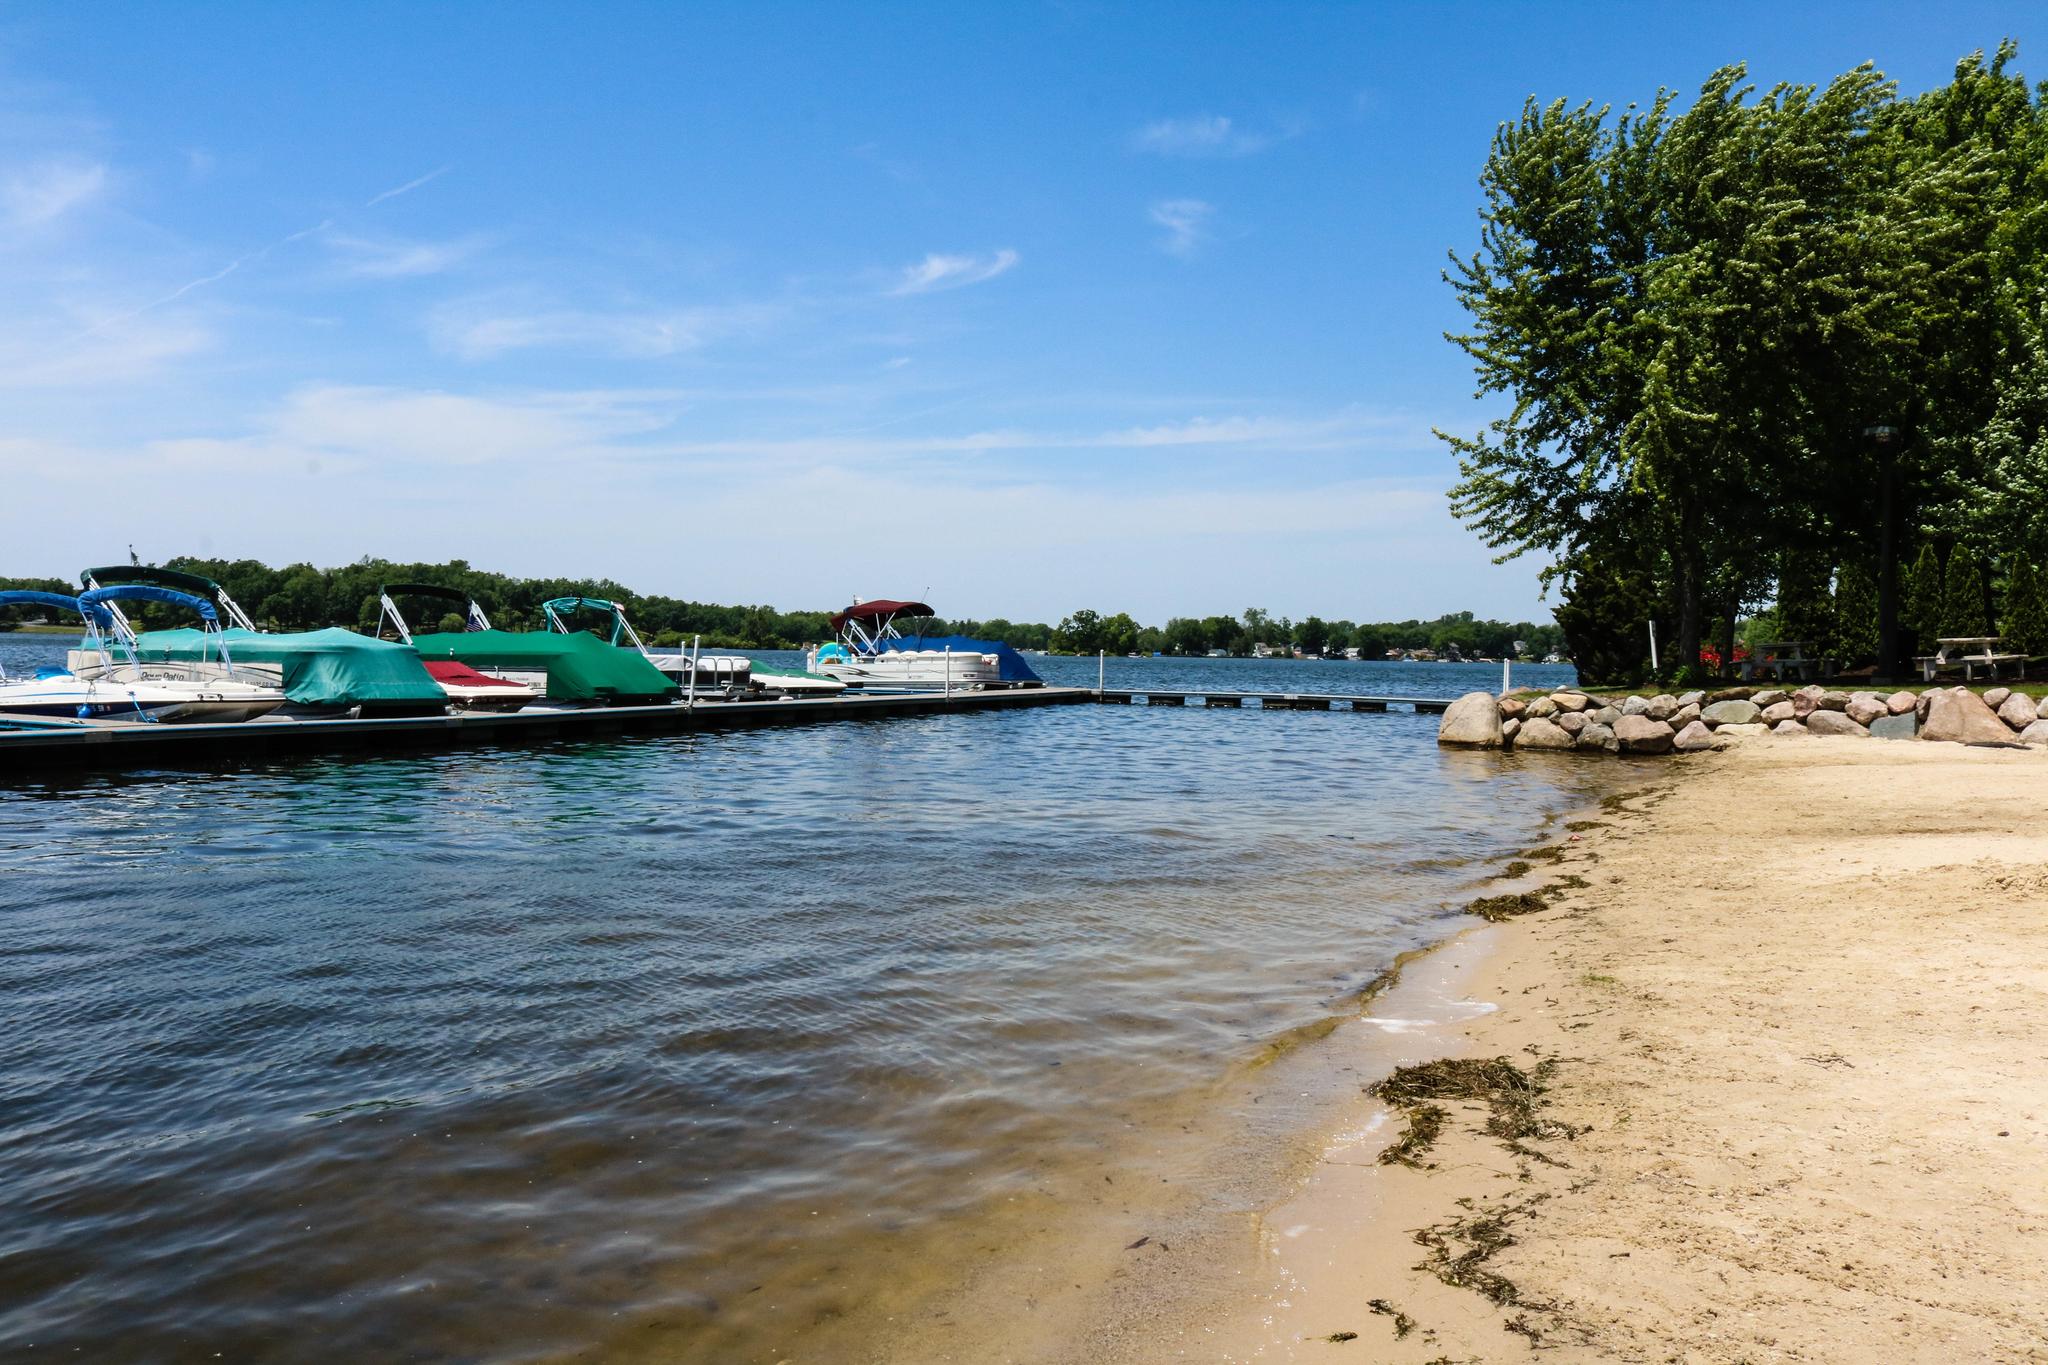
1690, 722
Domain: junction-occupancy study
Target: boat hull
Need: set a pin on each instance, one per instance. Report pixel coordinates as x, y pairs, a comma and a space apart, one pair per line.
915, 670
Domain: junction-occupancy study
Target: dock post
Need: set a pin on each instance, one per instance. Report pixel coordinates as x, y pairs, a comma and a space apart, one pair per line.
949, 672
1100, 671
696, 643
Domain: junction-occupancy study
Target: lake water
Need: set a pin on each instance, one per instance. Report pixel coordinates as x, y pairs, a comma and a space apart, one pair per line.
728, 1047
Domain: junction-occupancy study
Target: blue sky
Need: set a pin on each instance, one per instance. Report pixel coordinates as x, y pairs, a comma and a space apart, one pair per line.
1028, 307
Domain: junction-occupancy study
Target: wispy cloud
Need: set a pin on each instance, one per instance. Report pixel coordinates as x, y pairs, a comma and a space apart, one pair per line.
407, 188
1204, 135
390, 259
41, 194
951, 272
477, 331
1184, 221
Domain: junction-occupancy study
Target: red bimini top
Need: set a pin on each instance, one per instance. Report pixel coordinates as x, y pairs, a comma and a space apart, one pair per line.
462, 675
879, 611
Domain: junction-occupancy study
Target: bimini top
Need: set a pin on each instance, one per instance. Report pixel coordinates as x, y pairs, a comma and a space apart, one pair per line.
580, 667
331, 667
425, 590
880, 610
23, 597
144, 573
142, 592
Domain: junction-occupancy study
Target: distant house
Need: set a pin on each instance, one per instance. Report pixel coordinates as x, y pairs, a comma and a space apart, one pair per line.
1262, 651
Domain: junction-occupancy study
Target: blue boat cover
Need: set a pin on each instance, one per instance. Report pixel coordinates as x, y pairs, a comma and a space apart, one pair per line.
1010, 664
22, 597
142, 592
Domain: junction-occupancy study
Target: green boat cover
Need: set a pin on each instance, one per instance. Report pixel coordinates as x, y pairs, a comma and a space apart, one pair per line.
580, 667
332, 667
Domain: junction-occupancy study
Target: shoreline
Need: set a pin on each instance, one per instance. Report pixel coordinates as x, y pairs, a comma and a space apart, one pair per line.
1774, 1127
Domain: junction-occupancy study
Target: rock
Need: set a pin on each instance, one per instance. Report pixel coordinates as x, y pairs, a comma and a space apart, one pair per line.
1512, 707
1779, 710
1806, 700
1541, 734
1921, 703
1641, 735
1635, 706
2037, 733
1834, 701
1685, 715
1864, 708
1730, 694
1571, 722
1606, 715
1769, 697
1599, 737
1899, 703
1696, 737
1994, 697
1835, 723
2042, 709
1733, 711
1472, 721
1571, 701
1663, 706
1901, 726
1959, 715
1789, 728
1541, 707
1509, 728
2016, 710
1692, 699
1742, 730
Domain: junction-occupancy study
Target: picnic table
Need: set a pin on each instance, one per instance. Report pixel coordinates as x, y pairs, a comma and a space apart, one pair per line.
1972, 652
1778, 657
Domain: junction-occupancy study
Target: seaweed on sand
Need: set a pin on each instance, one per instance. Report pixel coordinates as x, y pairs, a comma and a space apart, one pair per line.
1403, 1324
1425, 1126
1512, 1096
1460, 1248
1498, 908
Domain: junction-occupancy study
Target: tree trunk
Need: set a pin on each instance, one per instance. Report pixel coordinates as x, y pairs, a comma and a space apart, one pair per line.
1728, 637
1689, 575
1891, 660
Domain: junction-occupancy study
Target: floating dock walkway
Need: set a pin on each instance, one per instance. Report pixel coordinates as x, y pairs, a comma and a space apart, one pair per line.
130, 744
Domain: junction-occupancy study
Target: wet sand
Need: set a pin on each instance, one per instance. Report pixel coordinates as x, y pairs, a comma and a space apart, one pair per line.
1799, 1013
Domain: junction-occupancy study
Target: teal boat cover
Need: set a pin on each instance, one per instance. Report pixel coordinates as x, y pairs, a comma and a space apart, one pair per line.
580, 667
332, 667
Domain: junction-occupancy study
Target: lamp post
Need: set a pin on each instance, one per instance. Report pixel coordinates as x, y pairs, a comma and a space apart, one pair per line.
1884, 439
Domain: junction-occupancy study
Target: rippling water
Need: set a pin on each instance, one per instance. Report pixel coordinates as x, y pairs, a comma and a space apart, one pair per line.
716, 1047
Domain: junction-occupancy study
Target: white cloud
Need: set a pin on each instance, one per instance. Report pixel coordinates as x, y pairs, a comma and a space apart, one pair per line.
407, 188
951, 272
390, 259
1204, 135
37, 195
36, 358
475, 332
1184, 221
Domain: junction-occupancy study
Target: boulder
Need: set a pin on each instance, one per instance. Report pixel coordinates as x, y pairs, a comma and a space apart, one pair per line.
1571, 701
1994, 697
1599, 737
1541, 734
1921, 703
1730, 694
1960, 715
1835, 723
1806, 700
1790, 728
1899, 703
1732, 711
1694, 698
1571, 722
1509, 728
2016, 710
1696, 737
1635, 706
1777, 711
1512, 707
1864, 709
1641, 735
2037, 733
1901, 726
1663, 706
1769, 697
1742, 730
1541, 707
2042, 709
1834, 701
1606, 715
1685, 715
1472, 722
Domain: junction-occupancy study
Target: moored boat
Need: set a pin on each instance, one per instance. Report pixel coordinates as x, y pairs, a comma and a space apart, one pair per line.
567, 669
712, 672
872, 653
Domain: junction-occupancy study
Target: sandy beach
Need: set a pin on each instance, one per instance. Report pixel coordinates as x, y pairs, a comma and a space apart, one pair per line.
1791, 1034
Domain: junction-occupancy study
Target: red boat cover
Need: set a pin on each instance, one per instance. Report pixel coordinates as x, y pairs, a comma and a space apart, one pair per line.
462, 675
876, 611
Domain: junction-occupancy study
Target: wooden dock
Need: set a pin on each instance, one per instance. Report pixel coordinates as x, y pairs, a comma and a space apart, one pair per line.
125, 744
1269, 701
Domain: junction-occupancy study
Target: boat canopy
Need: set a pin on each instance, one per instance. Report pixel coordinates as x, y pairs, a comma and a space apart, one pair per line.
1010, 664
879, 611
143, 592
580, 667
193, 583
555, 608
332, 667
23, 597
426, 590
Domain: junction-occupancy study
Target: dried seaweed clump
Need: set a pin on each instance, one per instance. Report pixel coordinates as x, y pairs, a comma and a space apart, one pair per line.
1512, 1096
1425, 1126
1403, 1324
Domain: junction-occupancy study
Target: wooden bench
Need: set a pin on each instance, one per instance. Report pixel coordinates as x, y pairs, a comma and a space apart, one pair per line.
1950, 653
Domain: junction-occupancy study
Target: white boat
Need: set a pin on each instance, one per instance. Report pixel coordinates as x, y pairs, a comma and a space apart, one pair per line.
117, 691
872, 654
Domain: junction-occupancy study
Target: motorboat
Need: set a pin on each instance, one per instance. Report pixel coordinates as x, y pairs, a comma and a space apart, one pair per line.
470, 690
133, 690
872, 653
768, 681
713, 673
566, 669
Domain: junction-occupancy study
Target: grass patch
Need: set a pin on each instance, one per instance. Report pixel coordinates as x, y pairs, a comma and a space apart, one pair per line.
1425, 1126
1403, 1324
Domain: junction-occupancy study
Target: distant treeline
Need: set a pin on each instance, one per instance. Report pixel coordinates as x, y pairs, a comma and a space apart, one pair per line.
302, 597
